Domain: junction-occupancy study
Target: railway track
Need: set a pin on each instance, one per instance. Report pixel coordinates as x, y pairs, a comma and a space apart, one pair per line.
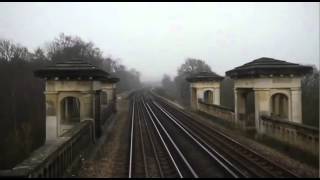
251, 163
149, 154
168, 142
154, 147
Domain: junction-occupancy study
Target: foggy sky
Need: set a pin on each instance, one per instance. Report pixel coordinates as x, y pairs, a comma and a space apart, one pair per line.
156, 38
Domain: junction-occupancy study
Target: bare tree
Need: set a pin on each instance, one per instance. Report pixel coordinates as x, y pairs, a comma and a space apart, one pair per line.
190, 66
68, 47
22, 125
10, 51
6, 50
169, 87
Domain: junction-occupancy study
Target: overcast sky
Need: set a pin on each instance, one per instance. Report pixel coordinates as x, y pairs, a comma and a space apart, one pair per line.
156, 38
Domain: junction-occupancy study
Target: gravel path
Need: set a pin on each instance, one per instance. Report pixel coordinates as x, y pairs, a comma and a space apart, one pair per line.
112, 158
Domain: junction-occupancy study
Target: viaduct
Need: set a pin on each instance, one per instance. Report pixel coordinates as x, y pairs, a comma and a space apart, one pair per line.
81, 98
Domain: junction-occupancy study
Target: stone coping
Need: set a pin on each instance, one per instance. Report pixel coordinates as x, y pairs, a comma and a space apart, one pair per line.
216, 106
268, 66
40, 156
293, 124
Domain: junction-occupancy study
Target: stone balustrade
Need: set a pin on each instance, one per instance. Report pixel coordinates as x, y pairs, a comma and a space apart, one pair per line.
299, 135
217, 111
54, 158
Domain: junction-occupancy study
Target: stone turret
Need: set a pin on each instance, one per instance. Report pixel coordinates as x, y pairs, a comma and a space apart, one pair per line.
75, 90
276, 88
204, 86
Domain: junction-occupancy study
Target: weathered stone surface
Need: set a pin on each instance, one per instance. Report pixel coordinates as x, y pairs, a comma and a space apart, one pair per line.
275, 86
302, 136
204, 76
281, 158
267, 77
76, 79
268, 66
41, 161
77, 69
217, 111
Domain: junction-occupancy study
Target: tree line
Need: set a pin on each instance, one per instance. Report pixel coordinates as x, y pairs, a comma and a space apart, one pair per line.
22, 101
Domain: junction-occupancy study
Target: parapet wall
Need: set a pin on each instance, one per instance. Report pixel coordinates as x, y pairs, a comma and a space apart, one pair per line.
217, 111
52, 159
302, 136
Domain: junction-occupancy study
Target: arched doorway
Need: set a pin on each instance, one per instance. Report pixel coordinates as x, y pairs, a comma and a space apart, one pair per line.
70, 111
279, 105
208, 97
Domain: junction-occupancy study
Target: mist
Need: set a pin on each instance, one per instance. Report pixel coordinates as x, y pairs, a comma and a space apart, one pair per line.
155, 38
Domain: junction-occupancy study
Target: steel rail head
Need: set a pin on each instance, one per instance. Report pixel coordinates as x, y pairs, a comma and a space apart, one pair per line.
131, 141
142, 141
175, 146
163, 142
152, 143
237, 143
198, 127
240, 154
193, 137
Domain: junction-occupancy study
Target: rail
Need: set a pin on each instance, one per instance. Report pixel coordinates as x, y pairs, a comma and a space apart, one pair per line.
149, 154
213, 154
266, 167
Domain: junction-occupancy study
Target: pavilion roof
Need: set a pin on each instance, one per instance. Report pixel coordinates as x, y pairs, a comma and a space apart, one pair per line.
75, 69
268, 66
